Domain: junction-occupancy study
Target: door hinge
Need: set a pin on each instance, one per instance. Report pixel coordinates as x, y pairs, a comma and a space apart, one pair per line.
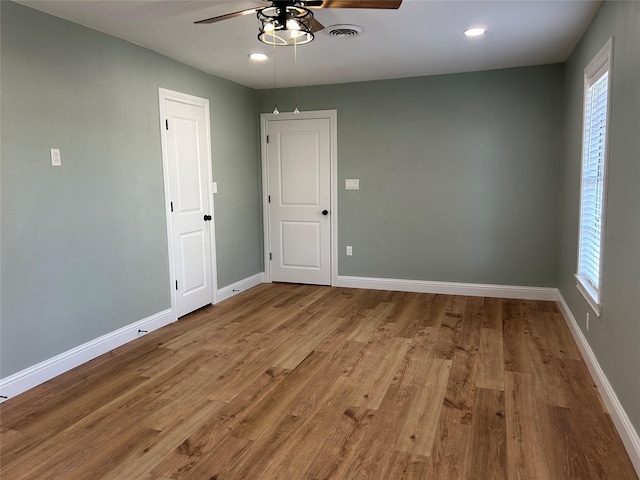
270, 256
166, 124
267, 138
269, 199
176, 284
171, 206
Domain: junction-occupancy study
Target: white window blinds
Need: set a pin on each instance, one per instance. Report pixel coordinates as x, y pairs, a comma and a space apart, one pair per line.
594, 160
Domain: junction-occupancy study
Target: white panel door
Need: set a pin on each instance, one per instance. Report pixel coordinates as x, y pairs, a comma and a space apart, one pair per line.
299, 167
189, 173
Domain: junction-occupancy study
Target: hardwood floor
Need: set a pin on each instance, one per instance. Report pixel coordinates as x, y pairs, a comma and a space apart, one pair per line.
305, 382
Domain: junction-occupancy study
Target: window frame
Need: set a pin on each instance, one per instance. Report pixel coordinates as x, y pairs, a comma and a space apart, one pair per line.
601, 64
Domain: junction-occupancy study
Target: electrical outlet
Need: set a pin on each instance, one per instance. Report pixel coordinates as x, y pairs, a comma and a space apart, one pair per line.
349, 250
587, 321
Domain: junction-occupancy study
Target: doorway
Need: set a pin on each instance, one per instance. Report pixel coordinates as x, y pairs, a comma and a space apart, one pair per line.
186, 153
300, 218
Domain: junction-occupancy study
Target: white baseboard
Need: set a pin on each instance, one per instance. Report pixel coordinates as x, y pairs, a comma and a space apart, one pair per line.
240, 286
450, 288
620, 418
33, 376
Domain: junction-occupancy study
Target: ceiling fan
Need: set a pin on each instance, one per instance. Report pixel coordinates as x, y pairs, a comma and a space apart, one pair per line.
290, 22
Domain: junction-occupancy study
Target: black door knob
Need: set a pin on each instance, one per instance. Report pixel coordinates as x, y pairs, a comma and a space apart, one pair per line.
325, 212
207, 218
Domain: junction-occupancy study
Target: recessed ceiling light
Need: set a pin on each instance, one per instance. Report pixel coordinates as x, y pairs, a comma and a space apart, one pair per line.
474, 32
258, 57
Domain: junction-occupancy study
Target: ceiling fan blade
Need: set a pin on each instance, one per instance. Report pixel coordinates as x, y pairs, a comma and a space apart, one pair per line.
227, 16
316, 26
379, 4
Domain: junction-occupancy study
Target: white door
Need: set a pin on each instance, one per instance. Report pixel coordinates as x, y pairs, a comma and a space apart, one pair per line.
188, 164
299, 186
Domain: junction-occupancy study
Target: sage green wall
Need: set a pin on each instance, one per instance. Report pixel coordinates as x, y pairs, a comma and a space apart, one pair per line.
84, 248
615, 337
458, 174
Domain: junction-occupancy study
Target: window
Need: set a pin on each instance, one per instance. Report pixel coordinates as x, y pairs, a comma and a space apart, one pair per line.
597, 88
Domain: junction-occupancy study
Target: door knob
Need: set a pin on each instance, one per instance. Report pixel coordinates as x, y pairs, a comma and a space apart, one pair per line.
207, 218
325, 212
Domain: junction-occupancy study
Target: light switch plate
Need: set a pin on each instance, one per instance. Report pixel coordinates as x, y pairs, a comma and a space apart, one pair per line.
56, 158
352, 184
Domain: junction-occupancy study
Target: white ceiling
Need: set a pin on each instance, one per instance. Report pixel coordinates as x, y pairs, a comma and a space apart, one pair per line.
422, 37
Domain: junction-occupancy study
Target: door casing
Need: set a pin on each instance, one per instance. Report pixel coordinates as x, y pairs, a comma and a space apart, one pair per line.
170, 95
332, 115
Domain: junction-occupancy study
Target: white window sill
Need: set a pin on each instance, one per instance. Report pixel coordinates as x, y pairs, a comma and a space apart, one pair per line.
589, 294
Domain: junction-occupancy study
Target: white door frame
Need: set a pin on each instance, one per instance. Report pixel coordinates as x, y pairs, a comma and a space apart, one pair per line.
332, 115
165, 94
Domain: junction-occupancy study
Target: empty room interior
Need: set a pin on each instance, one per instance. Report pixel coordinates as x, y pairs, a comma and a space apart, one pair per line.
369, 256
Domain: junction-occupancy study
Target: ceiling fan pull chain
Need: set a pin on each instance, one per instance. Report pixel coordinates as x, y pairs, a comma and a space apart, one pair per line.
295, 74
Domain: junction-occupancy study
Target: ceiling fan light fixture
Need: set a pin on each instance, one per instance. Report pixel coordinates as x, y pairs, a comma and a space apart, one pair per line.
284, 25
293, 25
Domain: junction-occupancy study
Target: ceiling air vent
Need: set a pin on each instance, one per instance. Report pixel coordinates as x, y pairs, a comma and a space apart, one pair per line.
344, 31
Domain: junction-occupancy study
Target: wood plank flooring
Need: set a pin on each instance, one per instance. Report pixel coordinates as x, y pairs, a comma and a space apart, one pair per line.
305, 382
